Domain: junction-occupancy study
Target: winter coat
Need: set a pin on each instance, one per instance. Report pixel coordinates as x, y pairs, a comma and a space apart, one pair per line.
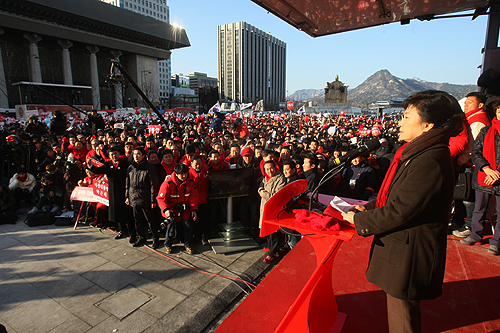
201, 181
28, 184
118, 210
271, 187
173, 192
361, 179
142, 184
408, 253
57, 126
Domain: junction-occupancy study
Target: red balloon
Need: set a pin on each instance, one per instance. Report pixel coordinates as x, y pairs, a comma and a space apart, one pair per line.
342, 113
306, 118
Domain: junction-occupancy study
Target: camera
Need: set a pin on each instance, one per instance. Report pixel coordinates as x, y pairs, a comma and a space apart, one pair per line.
180, 208
167, 221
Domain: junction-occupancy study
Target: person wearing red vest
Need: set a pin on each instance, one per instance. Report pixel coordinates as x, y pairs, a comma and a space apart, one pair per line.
199, 173
178, 201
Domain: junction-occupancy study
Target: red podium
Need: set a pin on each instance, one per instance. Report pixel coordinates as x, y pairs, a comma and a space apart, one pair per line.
297, 296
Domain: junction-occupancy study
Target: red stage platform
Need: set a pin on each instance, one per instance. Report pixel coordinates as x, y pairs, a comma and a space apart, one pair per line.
471, 293
470, 300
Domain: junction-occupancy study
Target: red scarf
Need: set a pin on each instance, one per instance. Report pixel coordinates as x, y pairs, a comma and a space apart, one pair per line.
489, 150
383, 193
23, 178
477, 115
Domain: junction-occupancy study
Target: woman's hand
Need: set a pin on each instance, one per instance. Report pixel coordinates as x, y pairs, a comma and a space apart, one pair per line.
358, 208
491, 176
349, 217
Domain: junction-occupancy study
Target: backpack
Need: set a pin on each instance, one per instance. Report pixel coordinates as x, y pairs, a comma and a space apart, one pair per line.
39, 218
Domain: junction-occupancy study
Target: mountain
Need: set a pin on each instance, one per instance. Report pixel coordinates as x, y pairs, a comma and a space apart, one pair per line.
306, 94
383, 86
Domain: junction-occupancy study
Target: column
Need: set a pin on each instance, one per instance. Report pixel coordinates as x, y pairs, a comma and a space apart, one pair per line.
66, 60
4, 97
35, 69
94, 77
118, 85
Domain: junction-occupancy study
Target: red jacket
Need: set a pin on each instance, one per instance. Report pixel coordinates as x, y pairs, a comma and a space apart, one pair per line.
173, 192
201, 181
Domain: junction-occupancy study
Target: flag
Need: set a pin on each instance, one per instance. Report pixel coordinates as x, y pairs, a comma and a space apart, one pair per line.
245, 105
215, 108
301, 110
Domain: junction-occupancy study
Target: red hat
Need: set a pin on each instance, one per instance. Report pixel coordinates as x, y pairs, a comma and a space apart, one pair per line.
247, 151
177, 139
11, 138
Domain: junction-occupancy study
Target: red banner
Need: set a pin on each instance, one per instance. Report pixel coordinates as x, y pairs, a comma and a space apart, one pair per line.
154, 129
289, 105
96, 193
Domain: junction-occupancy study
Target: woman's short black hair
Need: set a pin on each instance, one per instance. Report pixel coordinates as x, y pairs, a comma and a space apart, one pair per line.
438, 108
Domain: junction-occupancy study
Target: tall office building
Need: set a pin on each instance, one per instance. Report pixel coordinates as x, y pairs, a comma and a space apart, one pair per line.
159, 10
251, 64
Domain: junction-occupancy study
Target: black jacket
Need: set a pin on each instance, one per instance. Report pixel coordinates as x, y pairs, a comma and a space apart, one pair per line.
313, 177
142, 184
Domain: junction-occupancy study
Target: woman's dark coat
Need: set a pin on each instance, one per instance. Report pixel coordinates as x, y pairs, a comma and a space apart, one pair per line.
118, 210
407, 258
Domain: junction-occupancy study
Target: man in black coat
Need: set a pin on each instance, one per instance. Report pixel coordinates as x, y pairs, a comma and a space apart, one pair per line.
118, 212
142, 186
311, 173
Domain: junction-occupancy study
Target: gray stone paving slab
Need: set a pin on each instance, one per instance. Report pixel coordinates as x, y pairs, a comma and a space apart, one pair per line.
111, 277
34, 270
124, 302
7, 327
183, 319
6, 240
39, 315
83, 262
57, 250
62, 285
82, 305
123, 255
187, 281
15, 254
66, 272
136, 322
15, 291
72, 325
100, 245
157, 269
165, 298
34, 237
6, 272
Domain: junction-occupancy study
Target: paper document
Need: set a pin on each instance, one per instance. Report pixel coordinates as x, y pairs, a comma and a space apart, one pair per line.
68, 214
340, 204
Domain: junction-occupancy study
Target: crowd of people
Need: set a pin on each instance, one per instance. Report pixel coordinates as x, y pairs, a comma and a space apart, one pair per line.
160, 178
159, 181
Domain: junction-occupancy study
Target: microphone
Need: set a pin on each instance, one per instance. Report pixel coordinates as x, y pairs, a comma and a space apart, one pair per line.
369, 146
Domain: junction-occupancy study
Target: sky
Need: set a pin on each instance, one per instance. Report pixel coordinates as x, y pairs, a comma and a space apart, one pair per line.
445, 50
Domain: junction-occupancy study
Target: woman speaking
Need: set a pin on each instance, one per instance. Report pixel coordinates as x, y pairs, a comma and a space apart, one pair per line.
409, 218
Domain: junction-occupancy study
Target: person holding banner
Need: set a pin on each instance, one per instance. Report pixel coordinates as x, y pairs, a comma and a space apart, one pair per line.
409, 218
118, 212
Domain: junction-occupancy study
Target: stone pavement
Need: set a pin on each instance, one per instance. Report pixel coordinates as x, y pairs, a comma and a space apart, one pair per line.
57, 279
